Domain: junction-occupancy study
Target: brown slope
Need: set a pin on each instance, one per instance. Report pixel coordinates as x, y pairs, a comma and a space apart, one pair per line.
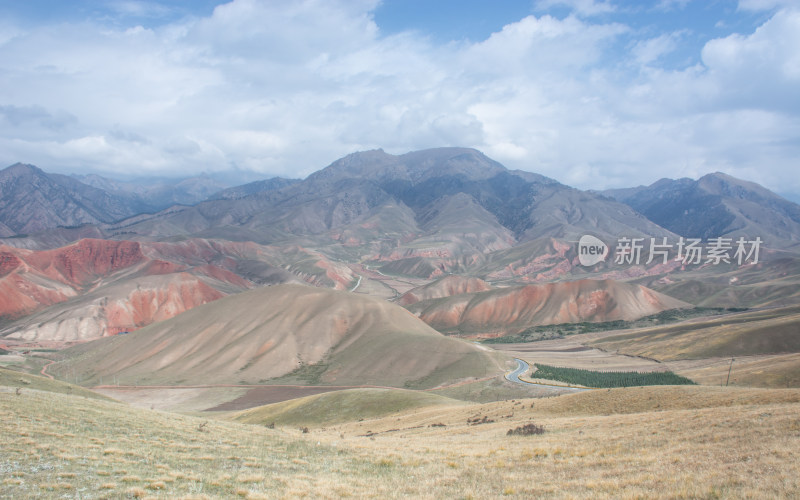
513, 309
265, 333
444, 287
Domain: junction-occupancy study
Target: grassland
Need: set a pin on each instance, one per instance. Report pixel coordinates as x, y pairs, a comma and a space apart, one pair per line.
26, 382
342, 406
655, 442
751, 333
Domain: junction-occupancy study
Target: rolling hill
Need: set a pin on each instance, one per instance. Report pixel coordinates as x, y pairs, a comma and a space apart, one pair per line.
303, 334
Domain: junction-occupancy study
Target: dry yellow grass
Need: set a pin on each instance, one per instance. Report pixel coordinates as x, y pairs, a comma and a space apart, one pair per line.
687, 442
768, 370
772, 331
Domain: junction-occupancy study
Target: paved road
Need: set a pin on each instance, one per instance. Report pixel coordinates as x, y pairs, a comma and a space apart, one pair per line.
523, 367
357, 284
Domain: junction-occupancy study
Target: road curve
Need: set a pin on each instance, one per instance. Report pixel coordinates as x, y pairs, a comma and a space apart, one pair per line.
522, 367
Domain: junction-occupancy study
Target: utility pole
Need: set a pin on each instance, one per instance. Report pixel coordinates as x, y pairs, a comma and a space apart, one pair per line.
729, 372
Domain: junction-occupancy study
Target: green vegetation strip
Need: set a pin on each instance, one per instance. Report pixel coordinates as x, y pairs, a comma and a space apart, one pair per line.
548, 332
588, 378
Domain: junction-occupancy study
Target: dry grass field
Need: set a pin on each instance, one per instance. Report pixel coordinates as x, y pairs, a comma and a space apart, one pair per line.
750, 333
656, 442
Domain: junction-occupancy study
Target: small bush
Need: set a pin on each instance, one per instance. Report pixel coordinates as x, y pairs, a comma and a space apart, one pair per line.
526, 430
478, 420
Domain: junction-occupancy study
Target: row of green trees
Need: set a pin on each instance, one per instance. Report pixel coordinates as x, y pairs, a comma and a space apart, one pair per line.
589, 378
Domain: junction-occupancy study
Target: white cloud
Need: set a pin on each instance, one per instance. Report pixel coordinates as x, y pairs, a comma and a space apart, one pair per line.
648, 51
284, 88
762, 68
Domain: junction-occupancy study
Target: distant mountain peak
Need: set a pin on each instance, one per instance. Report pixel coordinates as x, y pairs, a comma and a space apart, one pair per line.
717, 204
22, 169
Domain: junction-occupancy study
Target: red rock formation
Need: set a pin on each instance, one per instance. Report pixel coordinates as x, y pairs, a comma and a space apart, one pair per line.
87, 260
144, 306
8, 262
515, 308
32, 280
19, 296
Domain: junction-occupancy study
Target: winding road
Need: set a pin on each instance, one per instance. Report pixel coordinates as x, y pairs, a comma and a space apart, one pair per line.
357, 284
523, 366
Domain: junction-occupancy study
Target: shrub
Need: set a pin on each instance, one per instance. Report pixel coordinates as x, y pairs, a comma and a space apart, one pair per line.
530, 429
478, 420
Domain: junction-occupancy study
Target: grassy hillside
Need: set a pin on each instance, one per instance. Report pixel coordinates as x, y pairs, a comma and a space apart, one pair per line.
771, 371
670, 442
27, 382
341, 406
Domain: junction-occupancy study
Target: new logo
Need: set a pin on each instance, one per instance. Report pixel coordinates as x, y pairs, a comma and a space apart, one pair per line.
591, 250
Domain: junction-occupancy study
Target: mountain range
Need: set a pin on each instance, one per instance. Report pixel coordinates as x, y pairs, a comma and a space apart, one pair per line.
715, 205
82, 261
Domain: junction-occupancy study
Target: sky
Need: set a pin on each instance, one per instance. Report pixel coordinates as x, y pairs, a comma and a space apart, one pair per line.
594, 93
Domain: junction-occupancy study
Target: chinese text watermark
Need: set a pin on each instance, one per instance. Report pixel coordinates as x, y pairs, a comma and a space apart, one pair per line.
592, 250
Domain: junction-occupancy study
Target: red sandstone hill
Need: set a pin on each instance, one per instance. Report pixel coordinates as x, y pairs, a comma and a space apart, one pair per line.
94, 288
512, 309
